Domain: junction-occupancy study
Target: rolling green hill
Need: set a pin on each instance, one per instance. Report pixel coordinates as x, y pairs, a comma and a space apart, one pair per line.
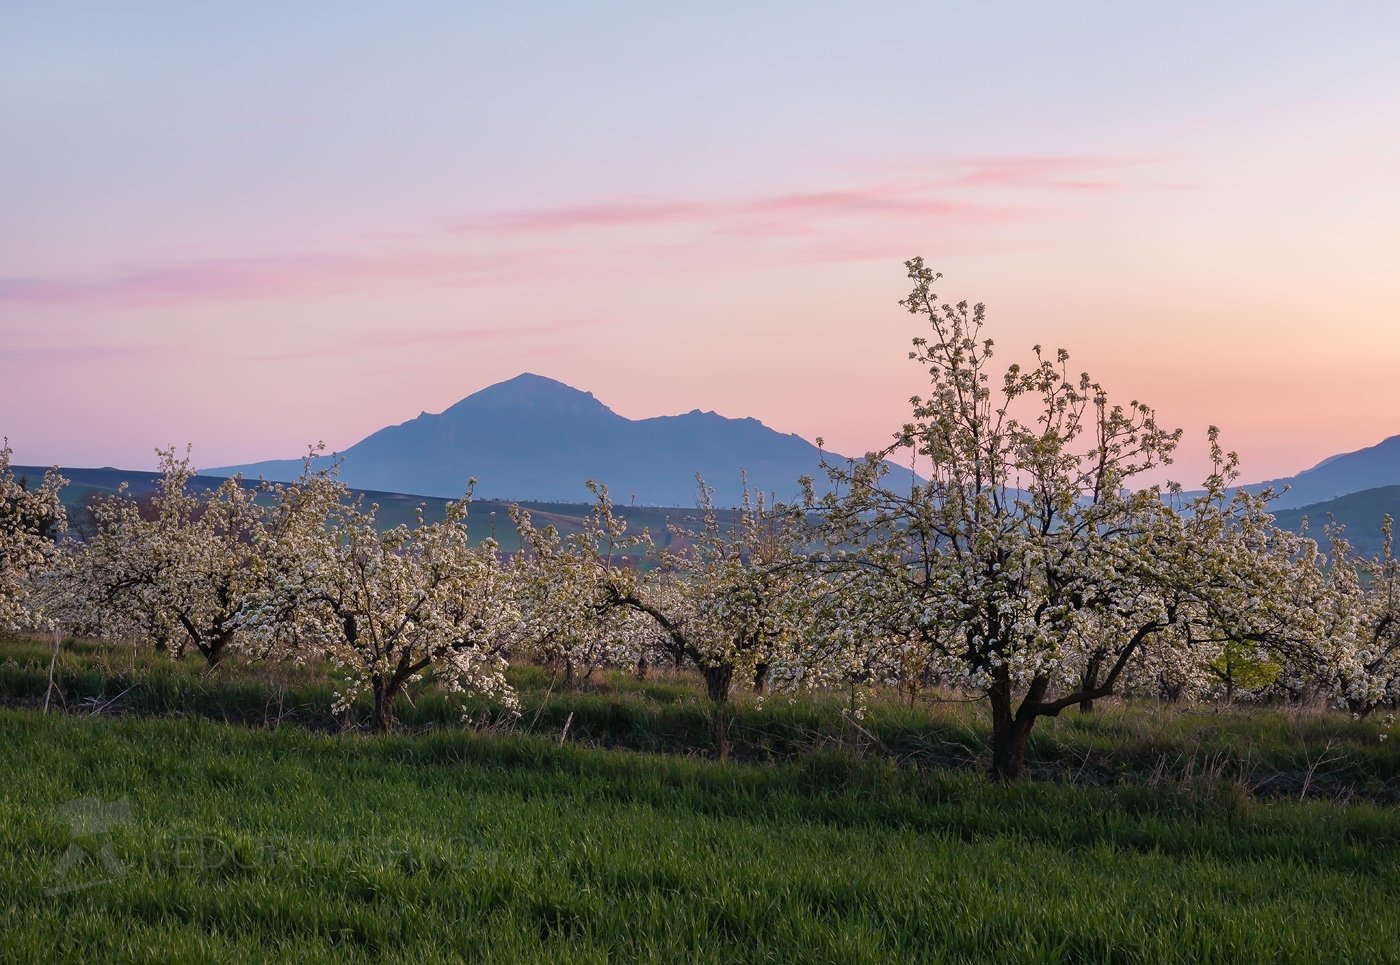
487, 518
1375, 467
1361, 513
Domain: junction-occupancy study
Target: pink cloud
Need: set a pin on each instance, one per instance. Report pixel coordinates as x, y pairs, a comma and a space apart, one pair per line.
239, 278
1027, 171
47, 354
897, 200
597, 216
506, 245
214, 278
400, 340
1042, 172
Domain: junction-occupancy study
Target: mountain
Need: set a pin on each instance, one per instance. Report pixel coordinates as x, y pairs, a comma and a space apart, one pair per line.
1361, 513
535, 438
1350, 472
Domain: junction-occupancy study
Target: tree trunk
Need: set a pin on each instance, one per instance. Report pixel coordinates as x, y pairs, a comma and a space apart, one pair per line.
1010, 734
384, 695
718, 679
1088, 684
719, 727
1009, 749
217, 646
760, 679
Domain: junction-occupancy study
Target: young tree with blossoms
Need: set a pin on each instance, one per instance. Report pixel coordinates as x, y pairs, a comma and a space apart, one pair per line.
730, 601
852, 637
177, 572
563, 591
385, 608
30, 519
1355, 653
1025, 542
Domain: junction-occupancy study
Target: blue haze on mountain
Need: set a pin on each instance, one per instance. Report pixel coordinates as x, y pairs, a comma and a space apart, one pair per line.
534, 438
1348, 472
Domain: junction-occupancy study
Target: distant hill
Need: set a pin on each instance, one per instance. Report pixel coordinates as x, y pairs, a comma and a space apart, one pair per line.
1361, 513
487, 517
535, 438
1374, 467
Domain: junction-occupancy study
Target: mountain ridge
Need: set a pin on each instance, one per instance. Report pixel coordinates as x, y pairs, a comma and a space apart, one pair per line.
533, 437
1370, 467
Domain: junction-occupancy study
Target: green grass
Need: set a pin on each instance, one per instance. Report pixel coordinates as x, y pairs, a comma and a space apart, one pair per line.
247, 844
1266, 752
263, 828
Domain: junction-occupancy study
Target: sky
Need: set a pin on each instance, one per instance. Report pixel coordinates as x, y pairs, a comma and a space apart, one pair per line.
250, 226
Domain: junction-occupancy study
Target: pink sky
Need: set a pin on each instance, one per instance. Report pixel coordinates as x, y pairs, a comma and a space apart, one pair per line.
708, 211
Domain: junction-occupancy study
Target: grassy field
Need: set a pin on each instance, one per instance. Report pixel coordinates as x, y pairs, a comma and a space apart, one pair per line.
163, 811
1267, 753
246, 843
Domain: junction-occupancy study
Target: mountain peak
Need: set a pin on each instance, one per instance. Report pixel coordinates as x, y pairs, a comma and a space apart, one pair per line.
530, 379
530, 384
1389, 445
528, 391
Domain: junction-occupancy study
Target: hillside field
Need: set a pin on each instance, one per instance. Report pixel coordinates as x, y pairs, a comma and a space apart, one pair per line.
224, 817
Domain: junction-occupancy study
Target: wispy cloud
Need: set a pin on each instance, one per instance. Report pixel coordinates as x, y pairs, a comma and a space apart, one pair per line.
48, 354
402, 341
756, 214
1073, 174
217, 278
1030, 171
489, 247
241, 278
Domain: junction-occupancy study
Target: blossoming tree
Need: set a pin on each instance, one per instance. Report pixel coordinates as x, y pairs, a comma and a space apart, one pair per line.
564, 587
384, 607
1025, 544
1354, 654
728, 600
175, 570
30, 518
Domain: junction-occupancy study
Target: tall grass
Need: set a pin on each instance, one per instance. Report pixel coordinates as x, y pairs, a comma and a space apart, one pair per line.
249, 843
1268, 752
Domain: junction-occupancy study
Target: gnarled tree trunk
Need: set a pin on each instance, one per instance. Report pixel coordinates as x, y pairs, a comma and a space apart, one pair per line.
1010, 733
384, 694
718, 680
1089, 683
760, 679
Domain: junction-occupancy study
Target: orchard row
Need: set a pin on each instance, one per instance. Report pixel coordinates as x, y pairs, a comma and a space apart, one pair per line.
1025, 571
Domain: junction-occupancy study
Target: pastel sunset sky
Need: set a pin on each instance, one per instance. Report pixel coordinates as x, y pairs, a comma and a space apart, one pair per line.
251, 226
